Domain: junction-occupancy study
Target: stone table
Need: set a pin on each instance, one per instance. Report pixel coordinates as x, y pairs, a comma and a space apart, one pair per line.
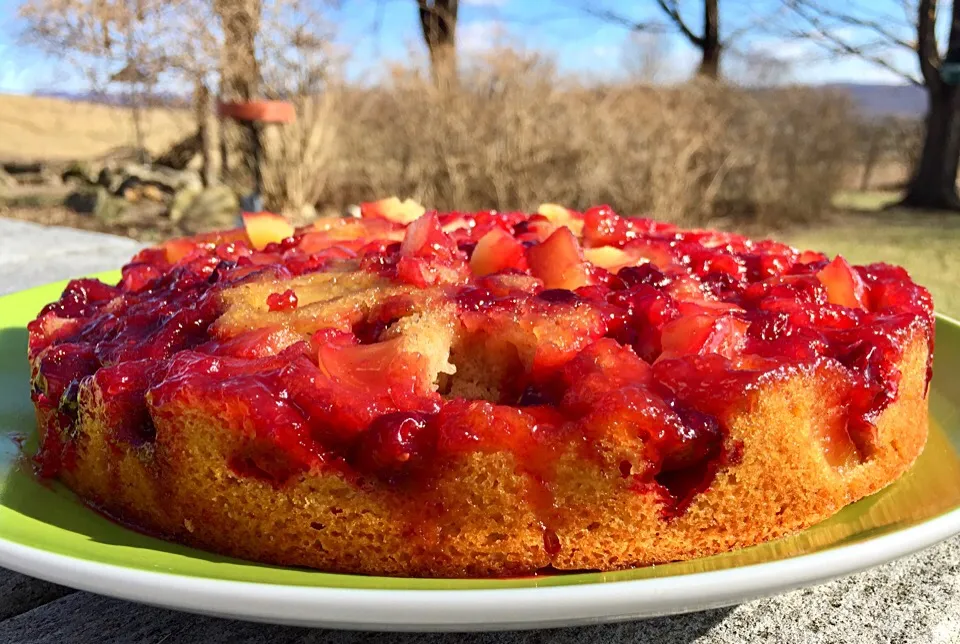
916, 599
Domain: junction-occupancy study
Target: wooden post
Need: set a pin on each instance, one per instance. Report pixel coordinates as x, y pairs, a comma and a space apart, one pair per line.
208, 125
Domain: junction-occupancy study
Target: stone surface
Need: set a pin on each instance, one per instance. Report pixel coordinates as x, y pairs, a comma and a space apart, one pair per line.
6, 181
203, 209
31, 255
916, 599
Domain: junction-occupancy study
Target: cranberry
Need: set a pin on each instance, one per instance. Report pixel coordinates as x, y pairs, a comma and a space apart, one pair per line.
394, 443
283, 245
721, 284
647, 274
521, 228
602, 227
559, 296
285, 301
475, 299
137, 277
62, 365
81, 298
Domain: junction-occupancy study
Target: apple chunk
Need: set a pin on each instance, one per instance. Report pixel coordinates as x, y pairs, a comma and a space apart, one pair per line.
266, 228
610, 258
558, 261
392, 209
425, 238
704, 333
844, 285
496, 251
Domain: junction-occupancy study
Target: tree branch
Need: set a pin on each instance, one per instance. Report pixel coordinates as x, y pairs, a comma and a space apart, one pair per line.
609, 16
875, 26
673, 12
824, 25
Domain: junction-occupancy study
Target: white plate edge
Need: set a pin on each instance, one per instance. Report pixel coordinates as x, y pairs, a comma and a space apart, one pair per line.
473, 609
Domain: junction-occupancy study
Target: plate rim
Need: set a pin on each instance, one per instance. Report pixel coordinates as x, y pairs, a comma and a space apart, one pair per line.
472, 608
477, 608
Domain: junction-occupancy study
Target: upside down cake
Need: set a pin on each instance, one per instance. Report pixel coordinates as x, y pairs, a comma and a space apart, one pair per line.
469, 394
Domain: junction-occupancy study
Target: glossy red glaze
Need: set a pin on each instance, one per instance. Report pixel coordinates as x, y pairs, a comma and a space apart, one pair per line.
667, 348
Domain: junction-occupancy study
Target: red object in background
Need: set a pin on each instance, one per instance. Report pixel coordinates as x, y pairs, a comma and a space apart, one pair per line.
253, 114
258, 111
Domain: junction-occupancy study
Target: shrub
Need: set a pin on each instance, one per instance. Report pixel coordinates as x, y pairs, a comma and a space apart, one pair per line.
516, 134
297, 156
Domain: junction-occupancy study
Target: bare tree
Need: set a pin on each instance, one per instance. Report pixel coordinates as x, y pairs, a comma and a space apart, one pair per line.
228, 50
240, 69
239, 75
438, 21
133, 44
643, 56
707, 39
112, 42
934, 183
860, 30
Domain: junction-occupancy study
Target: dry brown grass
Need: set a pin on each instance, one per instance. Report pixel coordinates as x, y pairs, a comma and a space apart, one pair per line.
517, 134
53, 129
514, 135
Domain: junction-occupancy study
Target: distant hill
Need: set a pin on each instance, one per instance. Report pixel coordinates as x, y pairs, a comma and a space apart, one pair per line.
161, 99
887, 100
907, 101
34, 127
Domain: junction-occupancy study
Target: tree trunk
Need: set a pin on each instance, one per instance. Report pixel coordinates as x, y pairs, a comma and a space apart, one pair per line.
137, 113
208, 129
934, 183
710, 42
438, 21
871, 155
239, 72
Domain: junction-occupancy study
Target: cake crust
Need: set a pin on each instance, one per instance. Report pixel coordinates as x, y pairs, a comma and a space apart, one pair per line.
182, 490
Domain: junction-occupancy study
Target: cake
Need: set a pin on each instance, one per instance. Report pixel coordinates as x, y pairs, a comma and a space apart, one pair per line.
414, 393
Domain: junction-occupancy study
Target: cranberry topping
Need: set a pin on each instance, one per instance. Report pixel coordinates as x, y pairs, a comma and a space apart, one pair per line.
286, 301
643, 335
648, 274
395, 443
559, 296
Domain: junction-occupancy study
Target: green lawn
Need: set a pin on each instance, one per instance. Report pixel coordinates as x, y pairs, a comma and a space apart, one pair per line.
928, 245
865, 200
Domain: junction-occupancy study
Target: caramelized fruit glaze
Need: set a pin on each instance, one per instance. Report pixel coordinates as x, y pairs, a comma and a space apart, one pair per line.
664, 332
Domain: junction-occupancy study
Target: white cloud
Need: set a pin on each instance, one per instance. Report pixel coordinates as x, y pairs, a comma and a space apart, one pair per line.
480, 36
603, 51
784, 49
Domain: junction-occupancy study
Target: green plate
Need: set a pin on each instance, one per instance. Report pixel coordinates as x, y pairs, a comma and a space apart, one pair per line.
47, 517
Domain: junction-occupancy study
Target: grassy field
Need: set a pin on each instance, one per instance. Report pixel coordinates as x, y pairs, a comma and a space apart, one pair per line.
928, 245
33, 128
865, 200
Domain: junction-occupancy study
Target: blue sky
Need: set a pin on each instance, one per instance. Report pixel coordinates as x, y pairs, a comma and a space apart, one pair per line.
372, 33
